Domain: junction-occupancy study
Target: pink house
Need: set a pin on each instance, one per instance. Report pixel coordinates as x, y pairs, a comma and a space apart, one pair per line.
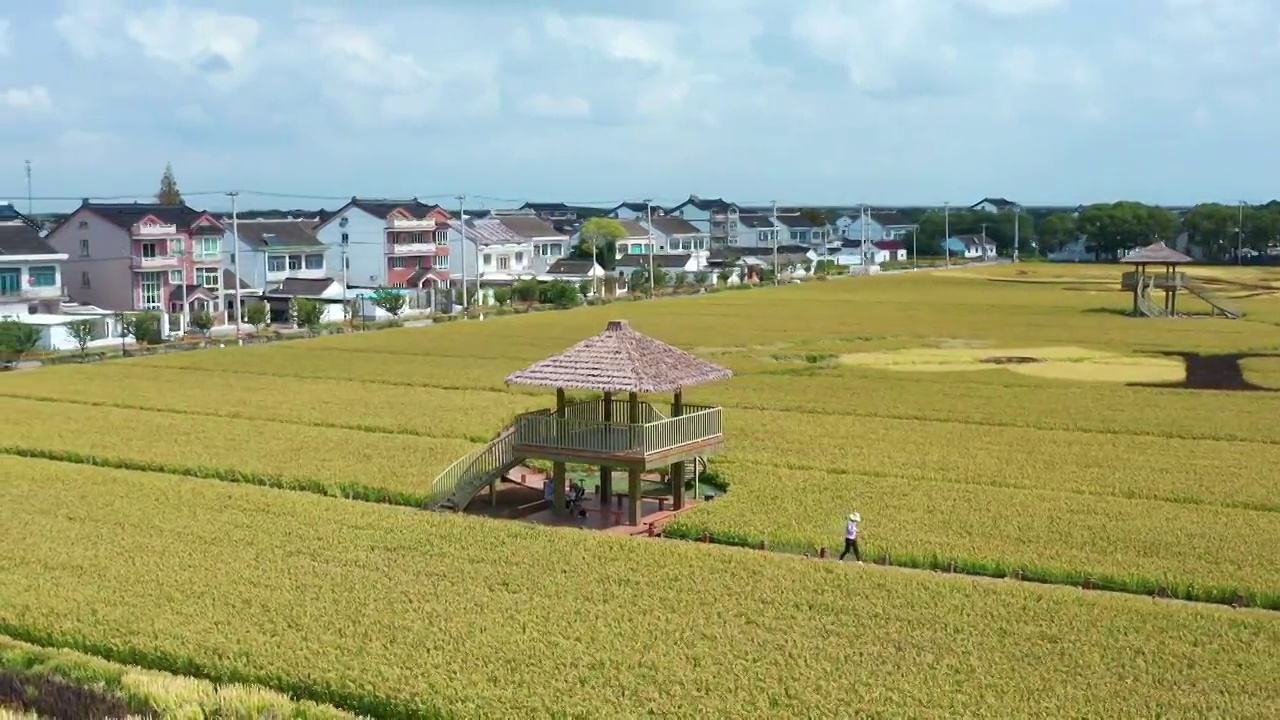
144, 256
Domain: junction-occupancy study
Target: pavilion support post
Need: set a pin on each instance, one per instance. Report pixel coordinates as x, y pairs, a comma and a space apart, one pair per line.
633, 476
558, 485
1137, 287
606, 472
493, 493
677, 468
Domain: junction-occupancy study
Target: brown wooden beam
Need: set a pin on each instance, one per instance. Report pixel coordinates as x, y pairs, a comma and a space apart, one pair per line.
606, 471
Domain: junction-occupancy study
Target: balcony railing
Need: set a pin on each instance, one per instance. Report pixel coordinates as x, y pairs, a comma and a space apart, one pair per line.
31, 293
411, 248
584, 431
156, 262
400, 223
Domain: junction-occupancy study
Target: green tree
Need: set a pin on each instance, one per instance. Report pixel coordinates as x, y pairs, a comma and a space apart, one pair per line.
169, 194
307, 314
725, 275
142, 327
17, 339
257, 314
202, 322
817, 217
1213, 227
389, 301
1057, 231
82, 332
1115, 227
559, 293
598, 240
525, 290
1262, 226
501, 295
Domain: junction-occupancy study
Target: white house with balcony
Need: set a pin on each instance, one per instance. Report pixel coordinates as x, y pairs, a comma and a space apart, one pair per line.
502, 249
717, 217
30, 269
879, 224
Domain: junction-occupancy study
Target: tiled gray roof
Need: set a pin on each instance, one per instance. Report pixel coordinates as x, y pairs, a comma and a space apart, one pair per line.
19, 238
278, 233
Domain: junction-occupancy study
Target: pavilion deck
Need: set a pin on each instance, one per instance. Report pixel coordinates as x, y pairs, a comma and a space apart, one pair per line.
1162, 280
619, 433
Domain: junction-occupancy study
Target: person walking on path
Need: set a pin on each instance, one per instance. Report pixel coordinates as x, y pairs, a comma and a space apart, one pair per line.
851, 538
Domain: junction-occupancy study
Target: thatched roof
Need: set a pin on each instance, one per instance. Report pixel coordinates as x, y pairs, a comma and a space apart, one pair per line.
1156, 254
621, 360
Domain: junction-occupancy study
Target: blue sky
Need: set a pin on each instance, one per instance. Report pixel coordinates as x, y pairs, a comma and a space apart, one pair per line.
817, 101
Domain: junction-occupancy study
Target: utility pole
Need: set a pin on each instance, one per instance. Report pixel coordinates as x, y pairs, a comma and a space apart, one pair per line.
946, 233
915, 259
862, 244
773, 237
1240, 234
235, 263
648, 214
462, 230
30, 209
1017, 214
185, 317
344, 243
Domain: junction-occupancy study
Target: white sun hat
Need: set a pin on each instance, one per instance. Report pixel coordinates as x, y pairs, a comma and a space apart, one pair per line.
855, 517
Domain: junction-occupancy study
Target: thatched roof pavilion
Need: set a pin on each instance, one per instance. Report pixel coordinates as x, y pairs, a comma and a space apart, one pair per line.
1142, 281
609, 433
1157, 253
620, 359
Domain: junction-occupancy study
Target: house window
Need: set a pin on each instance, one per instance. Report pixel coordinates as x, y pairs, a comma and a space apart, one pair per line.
84, 279
84, 224
346, 239
442, 237
397, 263
504, 262
208, 277
210, 246
150, 290
175, 246
84, 246
276, 263
441, 262
762, 236
487, 259
295, 262
346, 263
519, 258
175, 277
148, 251
557, 249
44, 276
796, 234
314, 262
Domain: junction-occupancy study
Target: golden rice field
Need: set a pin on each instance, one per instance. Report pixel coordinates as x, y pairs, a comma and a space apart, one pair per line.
1106, 461
391, 613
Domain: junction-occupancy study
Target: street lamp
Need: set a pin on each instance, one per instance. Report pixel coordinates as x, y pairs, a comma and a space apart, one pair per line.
946, 233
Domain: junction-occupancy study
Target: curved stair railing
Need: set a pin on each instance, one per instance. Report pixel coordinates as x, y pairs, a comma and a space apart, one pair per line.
1145, 303
454, 488
1215, 300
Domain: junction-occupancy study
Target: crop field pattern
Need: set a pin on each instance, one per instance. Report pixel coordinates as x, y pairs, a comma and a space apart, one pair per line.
998, 421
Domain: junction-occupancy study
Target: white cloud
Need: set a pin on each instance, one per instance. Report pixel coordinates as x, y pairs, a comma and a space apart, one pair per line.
86, 27
1015, 8
886, 47
216, 46
23, 100
566, 107
650, 43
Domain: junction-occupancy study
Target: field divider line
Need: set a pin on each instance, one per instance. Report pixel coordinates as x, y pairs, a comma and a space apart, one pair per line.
174, 664
680, 530
905, 417
1187, 591
355, 427
729, 460
339, 490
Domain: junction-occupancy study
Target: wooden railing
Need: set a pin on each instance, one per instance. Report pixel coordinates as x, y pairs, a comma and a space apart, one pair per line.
474, 470
581, 431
